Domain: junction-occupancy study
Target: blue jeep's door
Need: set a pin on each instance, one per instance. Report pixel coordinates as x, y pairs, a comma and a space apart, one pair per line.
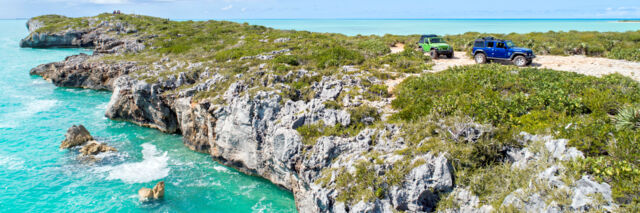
500, 51
489, 49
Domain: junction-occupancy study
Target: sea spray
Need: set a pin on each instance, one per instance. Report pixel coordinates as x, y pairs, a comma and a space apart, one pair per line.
154, 166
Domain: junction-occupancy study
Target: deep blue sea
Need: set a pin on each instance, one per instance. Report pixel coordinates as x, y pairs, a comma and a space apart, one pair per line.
443, 26
36, 176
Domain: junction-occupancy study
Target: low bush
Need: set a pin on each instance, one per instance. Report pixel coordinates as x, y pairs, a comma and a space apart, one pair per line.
338, 56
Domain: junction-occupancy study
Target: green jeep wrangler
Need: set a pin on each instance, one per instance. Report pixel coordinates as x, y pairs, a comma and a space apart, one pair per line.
435, 45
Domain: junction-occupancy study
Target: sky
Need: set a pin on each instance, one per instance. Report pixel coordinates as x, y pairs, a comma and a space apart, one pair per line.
328, 9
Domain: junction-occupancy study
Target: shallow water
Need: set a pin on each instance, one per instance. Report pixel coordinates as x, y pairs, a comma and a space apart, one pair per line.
36, 176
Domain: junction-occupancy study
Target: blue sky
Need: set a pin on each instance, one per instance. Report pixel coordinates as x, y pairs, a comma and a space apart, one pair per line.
291, 9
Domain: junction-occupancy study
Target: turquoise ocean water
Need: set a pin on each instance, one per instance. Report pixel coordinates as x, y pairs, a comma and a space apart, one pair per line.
444, 26
36, 176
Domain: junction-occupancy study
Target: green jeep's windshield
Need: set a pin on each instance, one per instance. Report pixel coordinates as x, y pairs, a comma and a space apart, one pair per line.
510, 44
436, 40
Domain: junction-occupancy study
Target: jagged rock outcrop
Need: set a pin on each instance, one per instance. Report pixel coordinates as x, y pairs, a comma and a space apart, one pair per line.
80, 136
69, 38
141, 103
102, 37
147, 194
75, 136
80, 71
581, 192
93, 148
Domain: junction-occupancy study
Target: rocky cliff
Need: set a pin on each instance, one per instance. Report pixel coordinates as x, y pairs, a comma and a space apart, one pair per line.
251, 126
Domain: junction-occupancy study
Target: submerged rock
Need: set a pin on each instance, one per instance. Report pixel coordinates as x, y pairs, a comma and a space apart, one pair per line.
95, 147
156, 193
76, 135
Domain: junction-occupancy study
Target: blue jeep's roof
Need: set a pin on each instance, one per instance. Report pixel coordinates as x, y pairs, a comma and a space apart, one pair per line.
489, 39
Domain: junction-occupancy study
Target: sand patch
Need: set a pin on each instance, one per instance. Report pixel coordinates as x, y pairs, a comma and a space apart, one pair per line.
398, 47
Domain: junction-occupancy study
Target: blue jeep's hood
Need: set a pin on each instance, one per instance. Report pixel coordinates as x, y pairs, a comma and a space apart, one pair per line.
520, 49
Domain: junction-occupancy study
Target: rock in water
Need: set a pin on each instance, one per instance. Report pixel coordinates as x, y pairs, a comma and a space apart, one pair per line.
148, 194
145, 194
76, 135
95, 147
158, 190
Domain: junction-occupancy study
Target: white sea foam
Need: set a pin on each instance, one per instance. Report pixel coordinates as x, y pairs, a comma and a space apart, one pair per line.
221, 168
260, 206
37, 106
39, 82
11, 163
154, 166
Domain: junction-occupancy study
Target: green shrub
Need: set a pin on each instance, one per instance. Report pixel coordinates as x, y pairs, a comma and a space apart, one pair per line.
338, 56
379, 90
373, 47
628, 118
287, 59
407, 61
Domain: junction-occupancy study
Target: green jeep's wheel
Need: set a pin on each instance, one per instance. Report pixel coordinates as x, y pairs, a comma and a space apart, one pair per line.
480, 58
450, 55
520, 61
434, 54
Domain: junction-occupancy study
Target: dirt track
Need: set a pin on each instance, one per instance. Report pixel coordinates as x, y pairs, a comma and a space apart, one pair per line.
580, 64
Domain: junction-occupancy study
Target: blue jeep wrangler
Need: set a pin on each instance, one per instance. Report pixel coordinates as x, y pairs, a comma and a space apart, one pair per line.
488, 49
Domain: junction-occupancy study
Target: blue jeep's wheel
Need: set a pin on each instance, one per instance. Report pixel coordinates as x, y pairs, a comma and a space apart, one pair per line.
520, 61
480, 58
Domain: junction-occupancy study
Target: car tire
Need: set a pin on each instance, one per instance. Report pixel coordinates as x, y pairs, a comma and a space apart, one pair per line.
529, 62
434, 54
450, 55
520, 61
480, 58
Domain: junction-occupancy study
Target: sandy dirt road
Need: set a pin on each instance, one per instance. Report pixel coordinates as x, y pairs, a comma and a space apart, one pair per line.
579, 64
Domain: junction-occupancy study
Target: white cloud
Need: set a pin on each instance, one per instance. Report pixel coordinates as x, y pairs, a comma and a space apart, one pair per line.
620, 12
227, 7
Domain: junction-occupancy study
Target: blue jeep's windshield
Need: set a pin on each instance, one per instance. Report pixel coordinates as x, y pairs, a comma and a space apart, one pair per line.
510, 44
436, 40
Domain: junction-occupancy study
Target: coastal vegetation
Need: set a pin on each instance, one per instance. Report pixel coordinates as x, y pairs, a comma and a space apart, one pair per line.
597, 115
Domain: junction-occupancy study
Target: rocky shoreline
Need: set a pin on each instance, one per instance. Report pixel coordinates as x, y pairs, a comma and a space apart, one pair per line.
255, 132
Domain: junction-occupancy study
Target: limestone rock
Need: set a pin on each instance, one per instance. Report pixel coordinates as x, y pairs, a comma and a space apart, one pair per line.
421, 186
156, 193
141, 103
93, 148
75, 136
467, 202
584, 191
